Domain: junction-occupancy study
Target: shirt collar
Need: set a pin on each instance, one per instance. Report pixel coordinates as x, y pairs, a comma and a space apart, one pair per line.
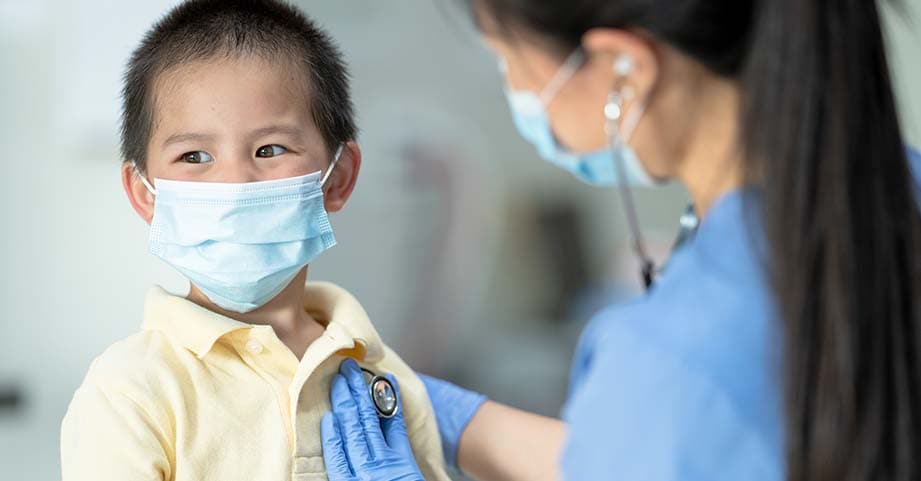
197, 328
731, 236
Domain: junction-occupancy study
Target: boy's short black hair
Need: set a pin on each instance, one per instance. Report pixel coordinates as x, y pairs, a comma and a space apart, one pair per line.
203, 29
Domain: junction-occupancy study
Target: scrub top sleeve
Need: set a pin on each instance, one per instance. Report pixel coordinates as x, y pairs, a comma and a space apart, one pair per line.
643, 414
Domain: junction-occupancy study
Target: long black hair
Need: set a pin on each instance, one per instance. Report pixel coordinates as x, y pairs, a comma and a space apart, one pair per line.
822, 141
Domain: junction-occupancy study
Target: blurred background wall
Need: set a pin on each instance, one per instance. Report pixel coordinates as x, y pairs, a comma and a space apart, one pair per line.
456, 227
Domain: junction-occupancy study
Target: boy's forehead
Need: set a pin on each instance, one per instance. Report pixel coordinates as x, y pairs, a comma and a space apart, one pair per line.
231, 91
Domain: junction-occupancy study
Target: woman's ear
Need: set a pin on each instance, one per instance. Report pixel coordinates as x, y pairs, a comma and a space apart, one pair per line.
141, 198
341, 181
607, 47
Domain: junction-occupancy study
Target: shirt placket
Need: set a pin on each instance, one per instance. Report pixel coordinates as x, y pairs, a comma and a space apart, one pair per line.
274, 362
306, 454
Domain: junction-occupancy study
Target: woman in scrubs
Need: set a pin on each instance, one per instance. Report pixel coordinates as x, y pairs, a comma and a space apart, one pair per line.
783, 341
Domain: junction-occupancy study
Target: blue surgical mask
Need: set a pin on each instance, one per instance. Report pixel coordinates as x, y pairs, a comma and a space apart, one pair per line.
600, 167
241, 244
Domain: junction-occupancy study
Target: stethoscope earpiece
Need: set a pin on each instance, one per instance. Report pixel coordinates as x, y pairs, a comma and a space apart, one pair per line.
623, 65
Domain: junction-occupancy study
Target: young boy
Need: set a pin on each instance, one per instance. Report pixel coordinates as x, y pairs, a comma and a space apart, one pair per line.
238, 138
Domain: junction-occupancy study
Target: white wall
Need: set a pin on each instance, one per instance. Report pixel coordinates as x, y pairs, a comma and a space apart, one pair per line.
904, 38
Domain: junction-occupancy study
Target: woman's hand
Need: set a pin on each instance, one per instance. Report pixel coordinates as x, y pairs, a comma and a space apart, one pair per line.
357, 444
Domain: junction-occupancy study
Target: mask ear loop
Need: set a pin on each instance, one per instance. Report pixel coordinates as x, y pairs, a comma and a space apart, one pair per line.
144, 180
332, 164
566, 71
618, 137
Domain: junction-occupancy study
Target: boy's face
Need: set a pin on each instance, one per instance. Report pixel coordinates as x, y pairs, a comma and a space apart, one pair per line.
237, 120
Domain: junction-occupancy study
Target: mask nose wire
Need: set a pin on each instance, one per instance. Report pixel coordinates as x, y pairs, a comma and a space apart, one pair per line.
332, 164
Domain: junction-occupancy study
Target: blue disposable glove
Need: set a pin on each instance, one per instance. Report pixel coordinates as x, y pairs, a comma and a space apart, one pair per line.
357, 444
454, 408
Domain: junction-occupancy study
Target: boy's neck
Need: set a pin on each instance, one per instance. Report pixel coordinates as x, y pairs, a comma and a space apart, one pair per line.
293, 325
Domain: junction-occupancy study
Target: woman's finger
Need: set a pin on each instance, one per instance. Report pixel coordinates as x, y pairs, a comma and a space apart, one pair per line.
395, 428
337, 463
366, 412
350, 428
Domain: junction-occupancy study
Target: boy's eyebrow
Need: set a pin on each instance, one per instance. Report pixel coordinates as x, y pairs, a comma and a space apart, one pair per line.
255, 134
291, 130
177, 138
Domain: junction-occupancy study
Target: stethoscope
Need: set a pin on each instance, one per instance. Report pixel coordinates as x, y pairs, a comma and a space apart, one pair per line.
688, 224
613, 113
383, 394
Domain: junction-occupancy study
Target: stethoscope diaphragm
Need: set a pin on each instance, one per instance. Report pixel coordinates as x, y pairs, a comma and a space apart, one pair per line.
383, 394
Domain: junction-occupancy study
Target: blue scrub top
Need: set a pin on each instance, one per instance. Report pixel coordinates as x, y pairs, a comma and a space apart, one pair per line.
685, 383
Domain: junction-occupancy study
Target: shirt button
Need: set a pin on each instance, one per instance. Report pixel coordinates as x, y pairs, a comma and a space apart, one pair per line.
254, 346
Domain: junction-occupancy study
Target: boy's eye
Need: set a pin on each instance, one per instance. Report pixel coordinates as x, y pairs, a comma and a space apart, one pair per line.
197, 157
270, 150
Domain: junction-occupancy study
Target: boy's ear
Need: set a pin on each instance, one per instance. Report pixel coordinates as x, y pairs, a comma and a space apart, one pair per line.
342, 180
141, 198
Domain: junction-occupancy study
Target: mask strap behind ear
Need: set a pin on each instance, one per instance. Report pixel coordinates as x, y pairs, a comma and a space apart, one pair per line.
565, 72
137, 171
332, 164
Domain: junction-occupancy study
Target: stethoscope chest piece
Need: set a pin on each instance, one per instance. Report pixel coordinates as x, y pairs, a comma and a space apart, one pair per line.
383, 394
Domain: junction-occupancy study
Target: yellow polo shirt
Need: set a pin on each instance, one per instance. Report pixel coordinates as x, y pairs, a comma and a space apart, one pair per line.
197, 396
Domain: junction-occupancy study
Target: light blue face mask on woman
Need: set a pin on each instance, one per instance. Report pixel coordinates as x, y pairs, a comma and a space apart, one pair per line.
240, 243
529, 112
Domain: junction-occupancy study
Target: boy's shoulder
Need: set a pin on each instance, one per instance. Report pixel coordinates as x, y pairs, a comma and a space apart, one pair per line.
136, 363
